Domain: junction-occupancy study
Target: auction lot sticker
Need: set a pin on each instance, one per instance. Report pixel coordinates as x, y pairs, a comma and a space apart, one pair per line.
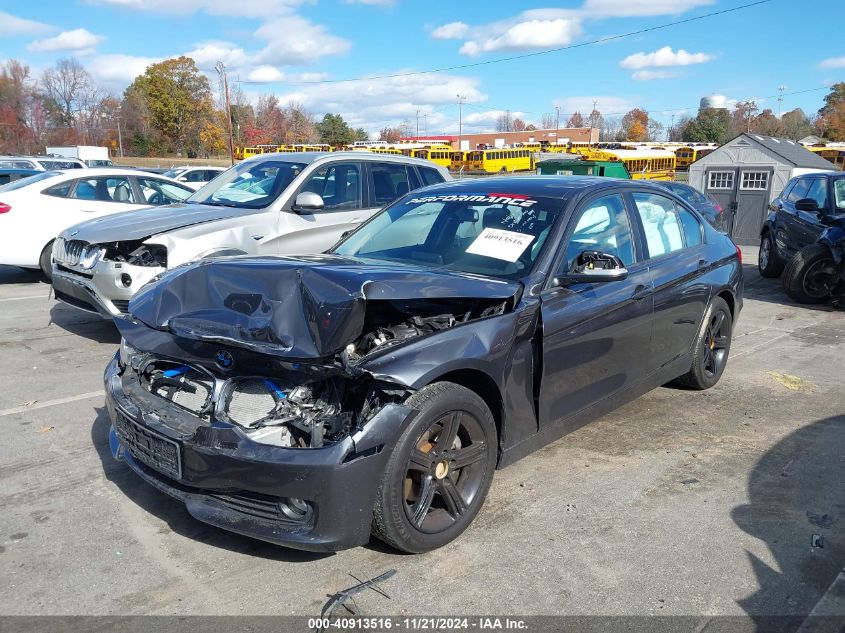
501, 244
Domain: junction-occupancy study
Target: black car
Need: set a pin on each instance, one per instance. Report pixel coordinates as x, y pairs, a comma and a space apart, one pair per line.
794, 218
312, 401
704, 203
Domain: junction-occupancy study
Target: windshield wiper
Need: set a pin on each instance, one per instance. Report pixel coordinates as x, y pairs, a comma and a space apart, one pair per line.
217, 203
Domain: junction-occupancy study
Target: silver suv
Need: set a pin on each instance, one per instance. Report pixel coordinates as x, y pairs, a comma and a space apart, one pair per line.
270, 204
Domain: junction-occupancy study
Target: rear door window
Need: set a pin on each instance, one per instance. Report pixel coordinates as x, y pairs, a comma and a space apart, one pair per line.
390, 181
115, 189
799, 191
659, 218
430, 176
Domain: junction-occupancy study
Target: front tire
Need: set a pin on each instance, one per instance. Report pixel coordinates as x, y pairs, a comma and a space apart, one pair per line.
439, 472
45, 261
769, 262
810, 275
712, 346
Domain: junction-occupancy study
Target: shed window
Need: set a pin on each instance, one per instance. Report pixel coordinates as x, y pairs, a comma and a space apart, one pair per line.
721, 180
755, 180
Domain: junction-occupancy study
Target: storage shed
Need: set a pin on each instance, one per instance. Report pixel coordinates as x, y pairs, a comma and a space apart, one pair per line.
745, 174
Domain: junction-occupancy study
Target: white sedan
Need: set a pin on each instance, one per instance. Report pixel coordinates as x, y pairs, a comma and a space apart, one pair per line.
34, 210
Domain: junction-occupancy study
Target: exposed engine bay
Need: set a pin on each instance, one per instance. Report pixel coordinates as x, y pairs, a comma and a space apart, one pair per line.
136, 253
305, 405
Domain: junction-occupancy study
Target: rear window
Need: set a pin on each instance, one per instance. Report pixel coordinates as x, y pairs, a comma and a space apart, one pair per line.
430, 176
29, 180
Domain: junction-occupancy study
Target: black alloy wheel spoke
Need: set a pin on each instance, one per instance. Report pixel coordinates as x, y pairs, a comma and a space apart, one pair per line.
721, 342
421, 461
455, 504
427, 489
448, 432
716, 324
468, 455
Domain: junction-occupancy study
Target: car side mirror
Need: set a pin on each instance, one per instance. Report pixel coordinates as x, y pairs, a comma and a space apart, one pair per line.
594, 267
807, 204
182, 179
308, 201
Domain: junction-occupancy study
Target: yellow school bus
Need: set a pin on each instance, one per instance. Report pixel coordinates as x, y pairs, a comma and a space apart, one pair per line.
642, 164
441, 156
835, 155
494, 161
686, 156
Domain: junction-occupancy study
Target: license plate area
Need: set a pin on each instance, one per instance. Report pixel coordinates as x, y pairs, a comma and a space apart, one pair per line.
148, 447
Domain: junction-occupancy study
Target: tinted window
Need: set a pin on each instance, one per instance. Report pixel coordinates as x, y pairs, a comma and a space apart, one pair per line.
660, 223
60, 191
839, 193
818, 192
430, 176
786, 190
196, 175
157, 191
800, 189
104, 190
23, 182
602, 226
692, 227
339, 185
390, 181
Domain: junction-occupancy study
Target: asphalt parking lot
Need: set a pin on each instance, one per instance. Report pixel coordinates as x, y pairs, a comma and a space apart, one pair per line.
678, 503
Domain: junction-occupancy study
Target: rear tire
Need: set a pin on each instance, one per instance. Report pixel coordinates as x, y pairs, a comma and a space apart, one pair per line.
807, 274
45, 262
711, 348
439, 472
769, 262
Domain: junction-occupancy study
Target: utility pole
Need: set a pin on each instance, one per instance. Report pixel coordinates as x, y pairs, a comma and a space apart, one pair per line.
461, 99
418, 125
119, 138
780, 98
220, 67
593, 120
425, 125
507, 120
557, 123
671, 129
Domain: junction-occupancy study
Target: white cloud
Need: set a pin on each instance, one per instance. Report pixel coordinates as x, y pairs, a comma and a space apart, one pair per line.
207, 54
11, 25
377, 103
633, 8
265, 75
647, 75
833, 62
526, 35
292, 39
664, 57
118, 70
80, 41
234, 8
451, 31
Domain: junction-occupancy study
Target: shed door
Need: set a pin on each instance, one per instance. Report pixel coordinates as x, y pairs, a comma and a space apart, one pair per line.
752, 197
720, 182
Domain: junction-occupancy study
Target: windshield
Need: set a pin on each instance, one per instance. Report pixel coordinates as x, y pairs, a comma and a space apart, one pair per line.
24, 182
839, 194
252, 185
494, 234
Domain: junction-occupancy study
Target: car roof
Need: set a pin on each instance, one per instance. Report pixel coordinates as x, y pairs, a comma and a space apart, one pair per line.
555, 186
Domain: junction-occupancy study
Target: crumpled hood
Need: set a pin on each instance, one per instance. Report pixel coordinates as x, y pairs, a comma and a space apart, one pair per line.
142, 223
306, 307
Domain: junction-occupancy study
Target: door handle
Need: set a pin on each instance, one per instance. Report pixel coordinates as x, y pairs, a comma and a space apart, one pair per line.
640, 293
702, 263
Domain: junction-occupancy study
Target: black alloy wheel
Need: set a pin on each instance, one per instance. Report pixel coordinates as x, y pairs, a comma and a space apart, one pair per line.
711, 347
440, 470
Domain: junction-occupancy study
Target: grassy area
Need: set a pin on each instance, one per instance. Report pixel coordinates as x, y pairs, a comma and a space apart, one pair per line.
169, 161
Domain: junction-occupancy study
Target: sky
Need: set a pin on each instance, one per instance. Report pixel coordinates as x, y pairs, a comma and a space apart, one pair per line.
299, 49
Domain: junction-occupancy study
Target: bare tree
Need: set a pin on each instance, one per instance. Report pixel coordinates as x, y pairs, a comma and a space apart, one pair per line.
503, 122
575, 120
547, 121
518, 125
64, 84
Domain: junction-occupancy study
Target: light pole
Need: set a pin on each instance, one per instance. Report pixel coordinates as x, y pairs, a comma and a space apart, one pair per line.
557, 122
418, 125
220, 67
461, 99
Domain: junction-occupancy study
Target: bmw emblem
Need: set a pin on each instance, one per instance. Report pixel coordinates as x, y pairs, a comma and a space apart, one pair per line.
224, 359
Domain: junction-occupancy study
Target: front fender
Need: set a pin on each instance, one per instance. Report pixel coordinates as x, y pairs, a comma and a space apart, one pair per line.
834, 238
770, 224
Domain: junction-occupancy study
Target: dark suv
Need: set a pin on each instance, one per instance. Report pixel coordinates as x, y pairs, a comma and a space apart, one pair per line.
794, 219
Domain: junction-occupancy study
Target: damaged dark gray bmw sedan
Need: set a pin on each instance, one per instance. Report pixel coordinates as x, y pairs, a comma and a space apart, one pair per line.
314, 401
